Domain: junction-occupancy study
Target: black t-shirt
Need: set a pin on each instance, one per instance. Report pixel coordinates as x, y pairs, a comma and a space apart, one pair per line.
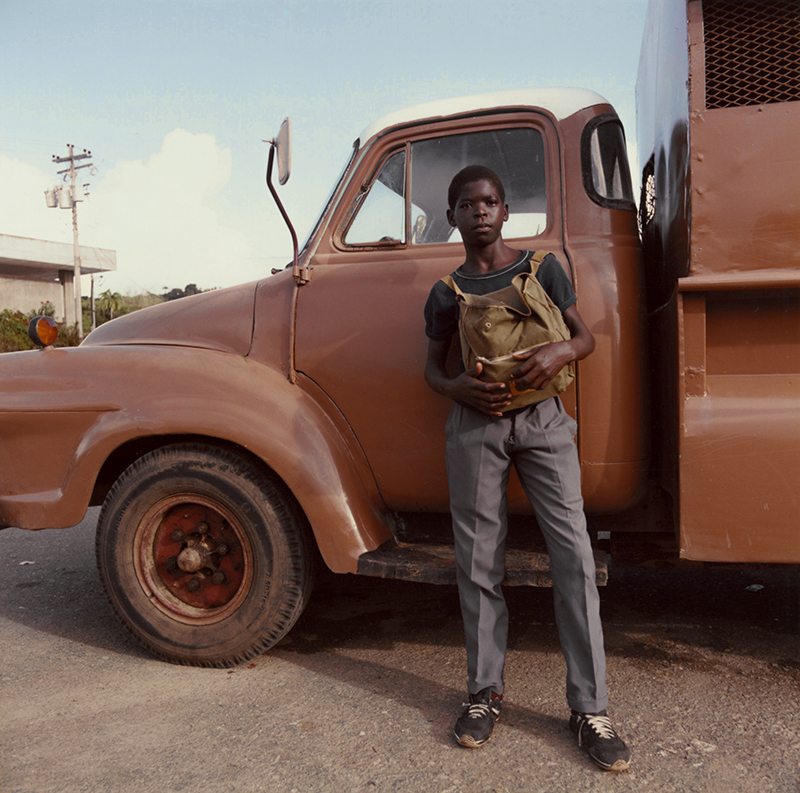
441, 308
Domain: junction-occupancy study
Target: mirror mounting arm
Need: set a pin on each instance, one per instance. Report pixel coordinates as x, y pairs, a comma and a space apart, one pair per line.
301, 276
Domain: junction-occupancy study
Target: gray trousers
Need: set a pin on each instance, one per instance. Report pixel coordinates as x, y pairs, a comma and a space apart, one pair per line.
539, 442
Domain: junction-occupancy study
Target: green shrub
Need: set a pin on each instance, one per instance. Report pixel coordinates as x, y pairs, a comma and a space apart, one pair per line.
46, 309
14, 329
14, 324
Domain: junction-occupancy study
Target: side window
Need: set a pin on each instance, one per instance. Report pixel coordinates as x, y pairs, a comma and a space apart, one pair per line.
382, 214
515, 155
604, 161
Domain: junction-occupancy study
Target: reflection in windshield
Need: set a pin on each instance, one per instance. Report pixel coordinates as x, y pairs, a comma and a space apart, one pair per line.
382, 216
516, 155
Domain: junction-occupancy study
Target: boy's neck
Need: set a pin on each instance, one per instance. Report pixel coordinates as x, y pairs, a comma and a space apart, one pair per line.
488, 259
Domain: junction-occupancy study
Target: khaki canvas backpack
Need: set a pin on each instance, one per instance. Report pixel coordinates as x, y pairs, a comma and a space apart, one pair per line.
518, 318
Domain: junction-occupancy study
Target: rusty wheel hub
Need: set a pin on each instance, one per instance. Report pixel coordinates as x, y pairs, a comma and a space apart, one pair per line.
194, 558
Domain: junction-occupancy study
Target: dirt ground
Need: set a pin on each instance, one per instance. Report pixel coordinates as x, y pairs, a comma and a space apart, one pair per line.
704, 670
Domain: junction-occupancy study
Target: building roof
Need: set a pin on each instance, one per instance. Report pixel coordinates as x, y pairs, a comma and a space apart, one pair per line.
41, 260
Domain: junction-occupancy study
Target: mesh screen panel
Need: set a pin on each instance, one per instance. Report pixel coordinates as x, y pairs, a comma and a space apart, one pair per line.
752, 51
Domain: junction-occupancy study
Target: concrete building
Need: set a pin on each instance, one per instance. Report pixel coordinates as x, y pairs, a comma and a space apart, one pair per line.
35, 271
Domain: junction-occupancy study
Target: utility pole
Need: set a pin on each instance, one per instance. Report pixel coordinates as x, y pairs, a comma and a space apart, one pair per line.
68, 199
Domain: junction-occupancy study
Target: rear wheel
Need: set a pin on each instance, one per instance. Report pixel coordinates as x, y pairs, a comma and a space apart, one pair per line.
202, 556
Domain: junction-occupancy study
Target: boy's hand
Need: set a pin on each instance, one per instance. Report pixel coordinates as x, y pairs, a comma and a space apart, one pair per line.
541, 365
487, 398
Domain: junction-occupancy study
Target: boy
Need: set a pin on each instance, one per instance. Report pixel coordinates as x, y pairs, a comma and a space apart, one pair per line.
483, 440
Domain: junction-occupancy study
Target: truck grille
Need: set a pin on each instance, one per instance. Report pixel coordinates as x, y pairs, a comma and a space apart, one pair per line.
752, 50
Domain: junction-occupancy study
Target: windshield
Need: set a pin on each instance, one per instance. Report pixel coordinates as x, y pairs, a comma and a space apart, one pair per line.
329, 200
515, 154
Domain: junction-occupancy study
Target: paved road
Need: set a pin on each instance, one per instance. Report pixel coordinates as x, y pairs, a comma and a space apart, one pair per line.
361, 696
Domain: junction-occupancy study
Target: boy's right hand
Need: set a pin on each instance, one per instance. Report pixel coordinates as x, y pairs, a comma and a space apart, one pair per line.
487, 398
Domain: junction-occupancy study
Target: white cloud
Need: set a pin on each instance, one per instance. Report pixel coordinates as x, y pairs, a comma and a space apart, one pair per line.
23, 212
157, 215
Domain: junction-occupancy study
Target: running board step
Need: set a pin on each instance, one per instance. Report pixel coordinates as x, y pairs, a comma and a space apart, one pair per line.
435, 564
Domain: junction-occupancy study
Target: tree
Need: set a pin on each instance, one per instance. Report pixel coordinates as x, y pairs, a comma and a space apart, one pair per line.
175, 294
111, 303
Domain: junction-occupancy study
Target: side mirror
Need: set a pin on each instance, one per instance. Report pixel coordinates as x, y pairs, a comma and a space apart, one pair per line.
283, 150
280, 148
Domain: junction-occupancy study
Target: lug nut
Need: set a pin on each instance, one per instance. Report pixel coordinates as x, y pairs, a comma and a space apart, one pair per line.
202, 527
177, 535
193, 584
218, 577
172, 564
222, 549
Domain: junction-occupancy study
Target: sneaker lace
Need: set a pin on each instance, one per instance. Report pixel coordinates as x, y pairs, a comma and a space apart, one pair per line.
477, 710
601, 726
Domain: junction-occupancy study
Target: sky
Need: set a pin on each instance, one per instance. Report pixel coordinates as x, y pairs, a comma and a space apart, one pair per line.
174, 97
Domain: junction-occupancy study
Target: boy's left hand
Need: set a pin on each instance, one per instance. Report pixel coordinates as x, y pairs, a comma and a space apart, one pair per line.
541, 365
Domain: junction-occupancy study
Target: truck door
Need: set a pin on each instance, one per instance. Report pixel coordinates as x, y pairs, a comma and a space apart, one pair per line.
359, 324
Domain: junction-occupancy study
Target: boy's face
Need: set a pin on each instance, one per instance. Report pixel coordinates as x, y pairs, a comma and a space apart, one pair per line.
479, 213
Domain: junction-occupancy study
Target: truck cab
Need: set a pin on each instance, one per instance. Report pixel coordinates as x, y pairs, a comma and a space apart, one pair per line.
235, 436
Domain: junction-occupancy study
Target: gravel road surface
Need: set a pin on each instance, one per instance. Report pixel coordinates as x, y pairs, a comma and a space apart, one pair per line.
704, 669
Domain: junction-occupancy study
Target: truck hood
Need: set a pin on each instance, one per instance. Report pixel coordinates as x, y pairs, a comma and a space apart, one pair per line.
219, 320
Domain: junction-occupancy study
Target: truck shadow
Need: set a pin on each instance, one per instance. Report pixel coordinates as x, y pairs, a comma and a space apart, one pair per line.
715, 609
699, 620
656, 618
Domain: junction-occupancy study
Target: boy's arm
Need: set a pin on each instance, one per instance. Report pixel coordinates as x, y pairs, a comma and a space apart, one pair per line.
543, 364
466, 388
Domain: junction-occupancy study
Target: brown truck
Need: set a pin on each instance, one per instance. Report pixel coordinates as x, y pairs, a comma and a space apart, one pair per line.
235, 437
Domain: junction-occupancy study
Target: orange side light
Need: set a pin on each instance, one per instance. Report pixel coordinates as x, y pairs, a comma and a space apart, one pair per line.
43, 331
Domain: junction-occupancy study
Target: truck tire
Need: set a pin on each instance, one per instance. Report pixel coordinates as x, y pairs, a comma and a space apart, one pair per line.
202, 556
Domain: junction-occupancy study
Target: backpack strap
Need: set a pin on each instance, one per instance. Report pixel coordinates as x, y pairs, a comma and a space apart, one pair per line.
449, 281
536, 259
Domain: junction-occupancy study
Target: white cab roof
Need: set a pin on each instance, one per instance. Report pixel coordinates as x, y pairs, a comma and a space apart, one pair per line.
561, 102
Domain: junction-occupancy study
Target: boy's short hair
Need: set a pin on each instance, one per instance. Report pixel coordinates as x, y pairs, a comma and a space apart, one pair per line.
470, 174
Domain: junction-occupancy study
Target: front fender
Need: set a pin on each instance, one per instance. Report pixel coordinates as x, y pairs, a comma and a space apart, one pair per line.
64, 412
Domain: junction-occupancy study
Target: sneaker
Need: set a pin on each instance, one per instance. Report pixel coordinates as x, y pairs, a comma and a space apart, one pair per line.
600, 739
476, 722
